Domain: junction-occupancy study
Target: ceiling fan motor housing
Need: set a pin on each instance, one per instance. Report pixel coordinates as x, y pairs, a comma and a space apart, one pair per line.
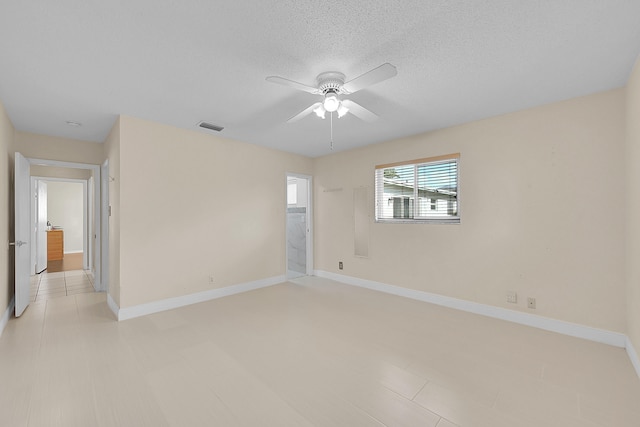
331, 82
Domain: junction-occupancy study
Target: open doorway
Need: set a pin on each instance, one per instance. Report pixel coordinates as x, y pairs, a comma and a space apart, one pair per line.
73, 210
62, 236
299, 230
24, 168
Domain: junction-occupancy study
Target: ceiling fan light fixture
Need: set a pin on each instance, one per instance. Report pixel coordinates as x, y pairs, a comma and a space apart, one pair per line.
320, 110
342, 110
331, 102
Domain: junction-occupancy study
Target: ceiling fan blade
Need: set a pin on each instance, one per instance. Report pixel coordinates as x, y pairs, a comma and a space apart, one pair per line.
383, 72
292, 84
305, 112
359, 111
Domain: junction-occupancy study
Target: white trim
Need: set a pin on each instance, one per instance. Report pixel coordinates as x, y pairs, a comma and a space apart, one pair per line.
112, 305
633, 356
560, 326
7, 315
74, 252
102, 227
181, 301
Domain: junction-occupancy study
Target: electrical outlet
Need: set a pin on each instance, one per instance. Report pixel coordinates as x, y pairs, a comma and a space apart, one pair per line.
211, 279
512, 297
531, 303
340, 265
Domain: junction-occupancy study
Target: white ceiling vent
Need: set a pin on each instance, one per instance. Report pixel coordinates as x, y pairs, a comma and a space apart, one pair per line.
210, 126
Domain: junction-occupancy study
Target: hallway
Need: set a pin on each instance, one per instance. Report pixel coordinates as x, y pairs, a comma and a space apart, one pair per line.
46, 285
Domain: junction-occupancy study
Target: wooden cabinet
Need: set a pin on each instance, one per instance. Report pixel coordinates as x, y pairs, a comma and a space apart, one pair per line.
55, 245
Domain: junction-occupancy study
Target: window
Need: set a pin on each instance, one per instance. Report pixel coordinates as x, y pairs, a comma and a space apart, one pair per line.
424, 190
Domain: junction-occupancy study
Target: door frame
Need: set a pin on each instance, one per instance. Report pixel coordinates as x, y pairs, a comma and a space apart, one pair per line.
99, 263
103, 225
309, 222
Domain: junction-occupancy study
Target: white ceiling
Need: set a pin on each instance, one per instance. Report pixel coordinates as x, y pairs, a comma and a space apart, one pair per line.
180, 62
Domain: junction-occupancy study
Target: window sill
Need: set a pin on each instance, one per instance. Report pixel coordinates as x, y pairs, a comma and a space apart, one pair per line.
418, 221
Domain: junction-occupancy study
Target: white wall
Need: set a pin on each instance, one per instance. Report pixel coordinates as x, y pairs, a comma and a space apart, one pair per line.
633, 207
65, 208
542, 213
193, 205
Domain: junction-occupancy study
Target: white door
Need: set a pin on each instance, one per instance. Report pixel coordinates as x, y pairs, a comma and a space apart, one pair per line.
41, 227
22, 232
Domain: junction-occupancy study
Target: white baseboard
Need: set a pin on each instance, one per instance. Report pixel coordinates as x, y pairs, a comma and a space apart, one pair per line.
633, 356
181, 301
7, 315
73, 252
560, 326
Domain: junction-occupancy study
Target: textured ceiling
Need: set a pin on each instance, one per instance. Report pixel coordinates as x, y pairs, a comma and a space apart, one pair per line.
180, 62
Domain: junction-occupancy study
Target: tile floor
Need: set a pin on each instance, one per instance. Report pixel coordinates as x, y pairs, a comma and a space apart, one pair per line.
310, 352
46, 285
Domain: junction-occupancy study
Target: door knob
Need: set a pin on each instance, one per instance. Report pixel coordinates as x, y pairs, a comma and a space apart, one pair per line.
18, 243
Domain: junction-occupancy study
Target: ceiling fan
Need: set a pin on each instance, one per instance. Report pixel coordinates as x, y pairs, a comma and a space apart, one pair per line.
331, 86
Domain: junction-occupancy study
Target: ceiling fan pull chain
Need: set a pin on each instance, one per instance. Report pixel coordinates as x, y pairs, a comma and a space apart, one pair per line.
331, 130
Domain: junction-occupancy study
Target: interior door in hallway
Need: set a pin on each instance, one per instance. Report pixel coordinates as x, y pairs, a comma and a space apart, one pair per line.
22, 202
298, 226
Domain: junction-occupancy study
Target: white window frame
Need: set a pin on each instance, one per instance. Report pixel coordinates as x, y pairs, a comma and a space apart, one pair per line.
380, 198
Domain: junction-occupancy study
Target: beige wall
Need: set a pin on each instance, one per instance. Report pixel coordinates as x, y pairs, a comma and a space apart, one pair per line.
65, 208
112, 153
633, 206
541, 196
57, 172
62, 149
6, 210
194, 205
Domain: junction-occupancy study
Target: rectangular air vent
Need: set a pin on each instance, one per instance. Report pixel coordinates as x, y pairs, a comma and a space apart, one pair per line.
210, 126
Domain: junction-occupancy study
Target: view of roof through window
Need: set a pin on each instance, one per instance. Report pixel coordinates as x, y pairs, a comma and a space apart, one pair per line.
418, 191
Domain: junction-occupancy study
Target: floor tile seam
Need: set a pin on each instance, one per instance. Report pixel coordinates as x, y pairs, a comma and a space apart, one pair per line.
413, 399
381, 384
631, 410
212, 390
495, 400
464, 394
563, 389
362, 410
42, 328
447, 420
370, 415
77, 285
41, 293
548, 415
